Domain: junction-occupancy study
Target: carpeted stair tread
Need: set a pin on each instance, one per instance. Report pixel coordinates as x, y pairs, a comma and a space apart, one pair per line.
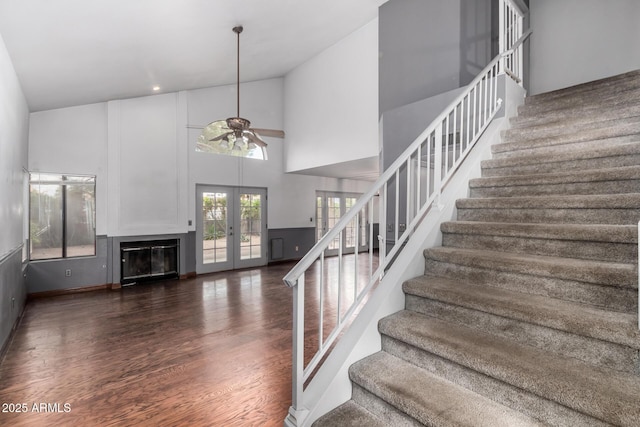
576, 133
630, 78
582, 208
586, 271
604, 394
535, 148
571, 125
607, 156
580, 319
593, 181
580, 232
606, 100
349, 414
602, 242
572, 118
562, 144
430, 399
580, 201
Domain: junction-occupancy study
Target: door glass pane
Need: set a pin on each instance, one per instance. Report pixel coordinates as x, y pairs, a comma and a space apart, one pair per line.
351, 227
364, 237
333, 216
319, 218
214, 226
45, 222
250, 226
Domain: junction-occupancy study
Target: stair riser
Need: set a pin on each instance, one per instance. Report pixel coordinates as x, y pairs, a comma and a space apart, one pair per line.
558, 146
499, 391
616, 84
609, 297
577, 188
604, 251
611, 216
552, 166
596, 352
377, 406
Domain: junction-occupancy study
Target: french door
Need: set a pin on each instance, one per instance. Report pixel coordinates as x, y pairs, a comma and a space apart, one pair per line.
330, 207
231, 229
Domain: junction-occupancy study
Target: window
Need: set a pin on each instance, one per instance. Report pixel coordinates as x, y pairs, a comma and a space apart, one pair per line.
216, 138
61, 216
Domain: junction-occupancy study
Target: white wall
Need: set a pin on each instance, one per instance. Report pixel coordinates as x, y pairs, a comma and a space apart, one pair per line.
73, 141
291, 197
576, 41
147, 166
14, 130
331, 104
144, 157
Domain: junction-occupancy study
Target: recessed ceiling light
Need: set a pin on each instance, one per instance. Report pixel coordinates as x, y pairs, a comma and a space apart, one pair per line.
156, 88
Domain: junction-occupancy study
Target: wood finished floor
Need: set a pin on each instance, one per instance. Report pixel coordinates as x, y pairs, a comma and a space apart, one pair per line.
209, 351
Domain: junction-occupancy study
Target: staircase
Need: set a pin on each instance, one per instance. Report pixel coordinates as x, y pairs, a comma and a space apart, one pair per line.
527, 314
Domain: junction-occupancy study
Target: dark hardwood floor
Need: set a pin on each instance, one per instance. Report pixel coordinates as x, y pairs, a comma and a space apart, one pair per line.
209, 351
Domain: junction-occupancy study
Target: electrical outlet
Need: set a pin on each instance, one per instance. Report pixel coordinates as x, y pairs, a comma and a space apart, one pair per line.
297, 248
67, 272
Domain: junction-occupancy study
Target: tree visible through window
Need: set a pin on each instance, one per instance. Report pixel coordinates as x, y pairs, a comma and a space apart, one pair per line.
61, 216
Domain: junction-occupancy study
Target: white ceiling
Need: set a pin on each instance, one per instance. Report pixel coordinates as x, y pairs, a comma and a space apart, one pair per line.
74, 52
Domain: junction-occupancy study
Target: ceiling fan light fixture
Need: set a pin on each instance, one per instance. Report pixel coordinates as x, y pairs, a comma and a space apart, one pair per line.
235, 133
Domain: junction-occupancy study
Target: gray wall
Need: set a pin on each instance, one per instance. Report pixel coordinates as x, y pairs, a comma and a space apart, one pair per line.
14, 135
419, 44
431, 47
13, 293
49, 275
303, 238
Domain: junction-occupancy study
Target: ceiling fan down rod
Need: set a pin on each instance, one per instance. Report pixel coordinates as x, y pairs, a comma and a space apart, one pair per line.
238, 30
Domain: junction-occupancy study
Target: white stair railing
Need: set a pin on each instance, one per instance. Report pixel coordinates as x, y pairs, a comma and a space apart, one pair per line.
511, 24
402, 195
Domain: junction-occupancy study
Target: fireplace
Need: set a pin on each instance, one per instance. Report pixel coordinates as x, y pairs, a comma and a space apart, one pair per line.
149, 260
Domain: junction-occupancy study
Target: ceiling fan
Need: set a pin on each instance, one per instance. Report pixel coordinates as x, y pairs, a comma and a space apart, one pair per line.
236, 132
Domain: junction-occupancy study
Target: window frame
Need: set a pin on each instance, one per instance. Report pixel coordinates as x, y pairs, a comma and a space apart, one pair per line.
66, 180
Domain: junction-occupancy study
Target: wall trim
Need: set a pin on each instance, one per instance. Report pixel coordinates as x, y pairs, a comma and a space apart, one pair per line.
7, 343
11, 253
58, 292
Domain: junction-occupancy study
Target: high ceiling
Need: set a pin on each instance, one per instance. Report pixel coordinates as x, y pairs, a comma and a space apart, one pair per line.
74, 52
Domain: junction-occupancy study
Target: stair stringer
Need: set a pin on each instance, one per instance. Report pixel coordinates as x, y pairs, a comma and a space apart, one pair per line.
331, 385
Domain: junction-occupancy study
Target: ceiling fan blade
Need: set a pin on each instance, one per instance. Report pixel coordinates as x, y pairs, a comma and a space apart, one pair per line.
222, 136
269, 132
254, 138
